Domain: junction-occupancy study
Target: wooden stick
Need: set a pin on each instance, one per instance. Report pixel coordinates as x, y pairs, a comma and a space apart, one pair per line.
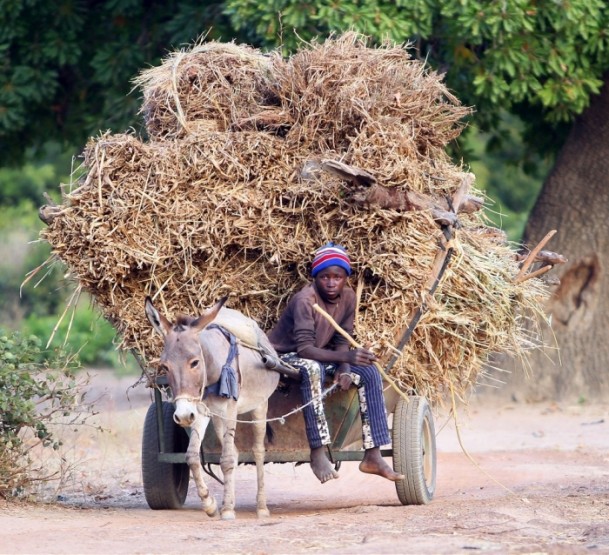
546, 257
441, 255
536, 273
531, 257
355, 344
438, 267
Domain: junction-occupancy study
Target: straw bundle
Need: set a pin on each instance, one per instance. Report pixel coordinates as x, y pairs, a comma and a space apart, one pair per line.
230, 196
208, 88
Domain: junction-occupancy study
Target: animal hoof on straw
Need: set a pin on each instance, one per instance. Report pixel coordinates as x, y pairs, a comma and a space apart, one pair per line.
211, 508
228, 515
263, 513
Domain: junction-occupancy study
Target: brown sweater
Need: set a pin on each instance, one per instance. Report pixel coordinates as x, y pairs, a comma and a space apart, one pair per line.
300, 324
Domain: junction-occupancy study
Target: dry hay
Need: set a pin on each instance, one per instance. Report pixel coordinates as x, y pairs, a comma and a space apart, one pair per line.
206, 89
225, 206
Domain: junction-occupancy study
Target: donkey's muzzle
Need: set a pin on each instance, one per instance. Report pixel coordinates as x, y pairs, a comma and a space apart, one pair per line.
185, 413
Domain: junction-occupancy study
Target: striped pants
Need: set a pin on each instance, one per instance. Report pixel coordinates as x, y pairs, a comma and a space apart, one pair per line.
375, 431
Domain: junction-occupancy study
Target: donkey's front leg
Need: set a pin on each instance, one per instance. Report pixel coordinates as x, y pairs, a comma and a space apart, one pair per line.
193, 458
259, 417
228, 460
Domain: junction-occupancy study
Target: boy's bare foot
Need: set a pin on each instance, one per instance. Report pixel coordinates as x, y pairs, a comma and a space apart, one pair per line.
321, 466
373, 463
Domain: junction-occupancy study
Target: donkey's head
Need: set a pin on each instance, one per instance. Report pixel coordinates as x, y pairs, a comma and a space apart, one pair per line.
182, 357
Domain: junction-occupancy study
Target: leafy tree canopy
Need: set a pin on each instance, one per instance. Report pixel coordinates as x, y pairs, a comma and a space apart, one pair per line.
67, 65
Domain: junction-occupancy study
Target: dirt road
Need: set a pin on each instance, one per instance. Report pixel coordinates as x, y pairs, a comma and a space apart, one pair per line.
552, 462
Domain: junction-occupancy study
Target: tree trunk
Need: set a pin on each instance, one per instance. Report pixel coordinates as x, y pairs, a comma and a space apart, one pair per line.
575, 201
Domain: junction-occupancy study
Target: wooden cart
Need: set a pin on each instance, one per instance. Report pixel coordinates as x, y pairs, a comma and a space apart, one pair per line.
413, 447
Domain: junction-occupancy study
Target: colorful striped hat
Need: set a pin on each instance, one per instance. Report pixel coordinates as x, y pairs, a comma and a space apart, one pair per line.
330, 255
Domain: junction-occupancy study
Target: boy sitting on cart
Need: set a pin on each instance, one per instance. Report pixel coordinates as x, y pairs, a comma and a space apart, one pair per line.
306, 340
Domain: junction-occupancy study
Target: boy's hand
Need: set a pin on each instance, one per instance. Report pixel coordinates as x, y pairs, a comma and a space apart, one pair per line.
343, 379
361, 357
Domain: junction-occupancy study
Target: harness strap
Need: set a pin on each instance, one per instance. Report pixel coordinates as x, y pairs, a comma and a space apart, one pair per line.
228, 384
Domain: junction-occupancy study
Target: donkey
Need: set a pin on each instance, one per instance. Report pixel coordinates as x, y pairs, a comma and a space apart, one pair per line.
193, 358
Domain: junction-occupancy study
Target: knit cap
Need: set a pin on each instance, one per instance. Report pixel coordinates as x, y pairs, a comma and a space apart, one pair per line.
330, 255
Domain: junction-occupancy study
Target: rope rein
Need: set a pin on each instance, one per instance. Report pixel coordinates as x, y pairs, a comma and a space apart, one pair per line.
280, 419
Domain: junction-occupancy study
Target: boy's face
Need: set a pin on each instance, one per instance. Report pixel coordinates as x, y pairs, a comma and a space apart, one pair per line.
330, 282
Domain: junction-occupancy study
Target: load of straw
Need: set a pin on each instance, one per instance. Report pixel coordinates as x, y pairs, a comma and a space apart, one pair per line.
227, 197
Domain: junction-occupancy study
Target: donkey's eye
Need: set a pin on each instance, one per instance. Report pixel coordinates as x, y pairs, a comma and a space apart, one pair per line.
194, 363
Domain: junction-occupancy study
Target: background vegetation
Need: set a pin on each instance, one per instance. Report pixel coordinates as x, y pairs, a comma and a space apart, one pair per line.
37, 388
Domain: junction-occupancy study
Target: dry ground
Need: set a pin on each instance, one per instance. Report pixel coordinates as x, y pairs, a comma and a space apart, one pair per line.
551, 462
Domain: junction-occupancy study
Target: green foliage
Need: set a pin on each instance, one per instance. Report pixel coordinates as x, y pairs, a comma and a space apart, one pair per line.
22, 188
286, 23
508, 173
21, 193
37, 388
25, 184
17, 257
66, 66
547, 53
82, 331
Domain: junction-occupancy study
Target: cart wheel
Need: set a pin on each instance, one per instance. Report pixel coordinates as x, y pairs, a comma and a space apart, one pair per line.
414, 451
165, 484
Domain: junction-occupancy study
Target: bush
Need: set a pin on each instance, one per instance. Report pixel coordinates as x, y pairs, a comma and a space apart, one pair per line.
37, 389
20, 254
84, 332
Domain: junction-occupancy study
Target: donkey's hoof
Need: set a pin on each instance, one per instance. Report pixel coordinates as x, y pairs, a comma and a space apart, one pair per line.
210, 507
228, 515
263, 513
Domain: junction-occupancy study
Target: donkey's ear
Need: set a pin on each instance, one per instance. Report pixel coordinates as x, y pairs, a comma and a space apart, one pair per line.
209, 315
158, 321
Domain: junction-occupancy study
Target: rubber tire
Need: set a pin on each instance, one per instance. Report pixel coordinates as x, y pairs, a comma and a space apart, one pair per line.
165, 484
414, 451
